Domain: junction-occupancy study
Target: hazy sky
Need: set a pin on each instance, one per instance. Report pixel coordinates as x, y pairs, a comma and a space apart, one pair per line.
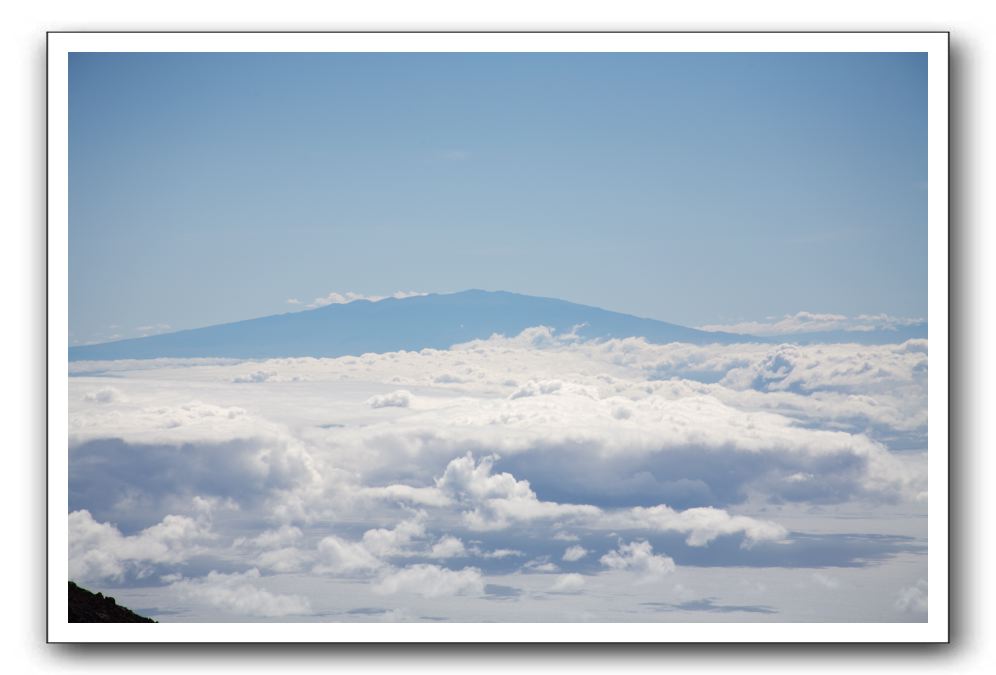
691, 188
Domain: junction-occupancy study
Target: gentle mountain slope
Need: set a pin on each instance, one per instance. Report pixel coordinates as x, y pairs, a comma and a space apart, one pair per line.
430, 321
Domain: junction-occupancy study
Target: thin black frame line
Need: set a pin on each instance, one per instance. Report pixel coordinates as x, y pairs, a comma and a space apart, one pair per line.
947, 641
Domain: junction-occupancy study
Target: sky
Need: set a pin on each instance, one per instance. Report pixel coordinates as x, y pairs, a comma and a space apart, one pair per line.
701, 189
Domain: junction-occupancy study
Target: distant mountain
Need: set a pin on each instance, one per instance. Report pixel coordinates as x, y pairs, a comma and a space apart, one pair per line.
87, 607
428, 321
432, 321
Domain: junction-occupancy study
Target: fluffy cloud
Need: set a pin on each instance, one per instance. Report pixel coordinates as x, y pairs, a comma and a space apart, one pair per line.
574, 553
499, 499
702, 525
395, 399
384, 542
99, 551
431, 581
137, 484
282, 536
448, 547
338, 556
287, 559
658, 449
638, 557
568, 583
239, 595
810, 322
498, 553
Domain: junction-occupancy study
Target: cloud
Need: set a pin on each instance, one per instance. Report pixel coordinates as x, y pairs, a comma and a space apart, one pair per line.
568, 583
498, 553
105, 395
709, 605
395, 399
497, 500
448, 547
537, 389
254, 377
239, 595
422, 496
77, 368
338, 556
137, 484
638, 557
913, 599
383, 542
541, 565
335, 298
98, 551
811, 322
565, 536
826, 581
574, 553
152, 329
431, 581
512, 446
285, 535
287, 559
702, 525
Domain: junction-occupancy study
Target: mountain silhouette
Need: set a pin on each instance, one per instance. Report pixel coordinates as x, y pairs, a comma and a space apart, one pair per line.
436, 321
428, 321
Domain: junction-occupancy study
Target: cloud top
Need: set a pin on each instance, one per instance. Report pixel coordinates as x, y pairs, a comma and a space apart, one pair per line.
337, 298
813, 322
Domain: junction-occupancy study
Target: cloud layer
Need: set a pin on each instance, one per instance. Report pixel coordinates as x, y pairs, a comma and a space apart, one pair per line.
812, 322
496, 472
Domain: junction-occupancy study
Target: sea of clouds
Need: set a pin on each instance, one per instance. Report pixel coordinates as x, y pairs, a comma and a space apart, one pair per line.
526, 478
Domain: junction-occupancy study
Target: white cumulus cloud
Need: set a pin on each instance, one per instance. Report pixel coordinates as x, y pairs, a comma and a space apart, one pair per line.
431, 581
395, 399
638, 557
568, 583
99, 550
239, 595
574, 553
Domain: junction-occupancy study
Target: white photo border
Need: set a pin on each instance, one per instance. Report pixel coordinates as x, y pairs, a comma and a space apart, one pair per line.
61, 44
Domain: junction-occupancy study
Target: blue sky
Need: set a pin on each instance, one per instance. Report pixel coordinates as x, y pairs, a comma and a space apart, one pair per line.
693, 188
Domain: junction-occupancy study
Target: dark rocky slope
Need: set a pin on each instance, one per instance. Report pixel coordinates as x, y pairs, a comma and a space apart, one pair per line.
87, 607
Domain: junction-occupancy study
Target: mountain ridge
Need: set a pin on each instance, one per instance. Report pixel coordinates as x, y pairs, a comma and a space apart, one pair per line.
436, 321
392, 324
